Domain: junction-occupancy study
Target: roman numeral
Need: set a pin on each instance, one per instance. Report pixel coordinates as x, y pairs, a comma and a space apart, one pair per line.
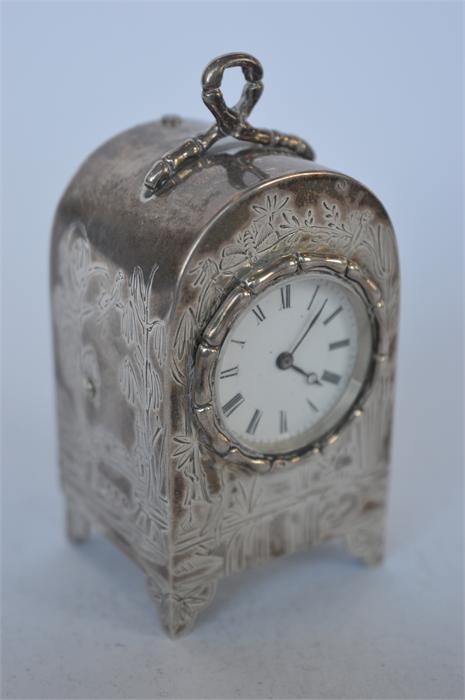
313, 297
312, 405
238, 342
333, 315
331, 377
259, 313
231, 372
286, 297
231, 405
339, 344
282, 422
254, 421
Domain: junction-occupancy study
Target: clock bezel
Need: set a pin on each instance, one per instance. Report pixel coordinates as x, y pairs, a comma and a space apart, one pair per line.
235, 302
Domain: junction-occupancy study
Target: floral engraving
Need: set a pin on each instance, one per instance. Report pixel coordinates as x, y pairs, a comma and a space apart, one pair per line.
103, 322
254, 517
130, 453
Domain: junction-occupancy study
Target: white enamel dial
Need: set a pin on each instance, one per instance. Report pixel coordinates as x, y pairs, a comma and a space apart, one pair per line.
292, 363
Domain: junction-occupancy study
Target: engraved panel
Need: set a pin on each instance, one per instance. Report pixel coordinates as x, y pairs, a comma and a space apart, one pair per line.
110, 351
338, 493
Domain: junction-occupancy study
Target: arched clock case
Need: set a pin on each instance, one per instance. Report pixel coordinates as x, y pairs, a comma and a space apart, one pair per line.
164, 243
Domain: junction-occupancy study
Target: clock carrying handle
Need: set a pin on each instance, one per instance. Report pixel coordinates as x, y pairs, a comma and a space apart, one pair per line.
230, 121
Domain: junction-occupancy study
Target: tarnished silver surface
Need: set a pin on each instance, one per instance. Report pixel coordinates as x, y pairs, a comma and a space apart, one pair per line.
135, 283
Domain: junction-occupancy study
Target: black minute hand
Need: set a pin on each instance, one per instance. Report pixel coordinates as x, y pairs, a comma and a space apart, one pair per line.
309, 327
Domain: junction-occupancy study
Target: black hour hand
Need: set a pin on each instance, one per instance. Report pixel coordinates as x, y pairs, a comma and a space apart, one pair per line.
286, 361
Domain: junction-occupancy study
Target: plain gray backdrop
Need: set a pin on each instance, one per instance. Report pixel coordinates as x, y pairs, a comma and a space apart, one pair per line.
377, 88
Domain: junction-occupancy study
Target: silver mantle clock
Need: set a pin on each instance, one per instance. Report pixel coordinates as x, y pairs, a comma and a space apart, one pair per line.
225, 325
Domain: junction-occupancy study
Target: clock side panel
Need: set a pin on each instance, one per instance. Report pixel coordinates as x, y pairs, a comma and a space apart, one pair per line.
110, 342
225, 517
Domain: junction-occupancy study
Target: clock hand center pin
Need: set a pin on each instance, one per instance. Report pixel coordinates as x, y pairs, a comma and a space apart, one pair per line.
285, 360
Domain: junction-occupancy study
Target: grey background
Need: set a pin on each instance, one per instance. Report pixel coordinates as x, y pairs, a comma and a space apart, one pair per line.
378, 90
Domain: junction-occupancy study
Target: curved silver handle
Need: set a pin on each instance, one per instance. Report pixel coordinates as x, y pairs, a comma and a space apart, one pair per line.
230, 121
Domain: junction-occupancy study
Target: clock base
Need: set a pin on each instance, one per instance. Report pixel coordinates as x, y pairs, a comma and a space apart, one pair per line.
178, 608
366, 541
77, 524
